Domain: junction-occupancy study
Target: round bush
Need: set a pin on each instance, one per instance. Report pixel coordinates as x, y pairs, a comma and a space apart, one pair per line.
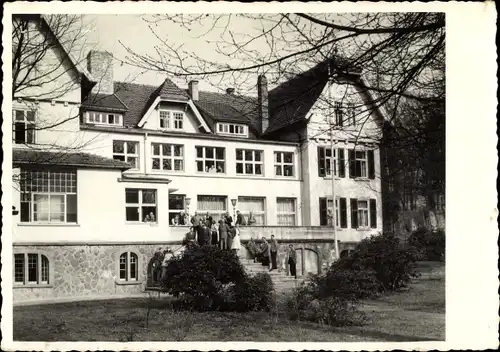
431, 244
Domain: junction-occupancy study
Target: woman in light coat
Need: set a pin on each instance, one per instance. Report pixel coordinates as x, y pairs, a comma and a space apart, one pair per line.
236, 244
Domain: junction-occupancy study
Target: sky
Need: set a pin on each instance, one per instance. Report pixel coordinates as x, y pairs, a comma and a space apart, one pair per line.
107, 32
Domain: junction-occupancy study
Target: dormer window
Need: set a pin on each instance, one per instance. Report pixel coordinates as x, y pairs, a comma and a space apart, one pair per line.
103, 118
232, 129
171, 120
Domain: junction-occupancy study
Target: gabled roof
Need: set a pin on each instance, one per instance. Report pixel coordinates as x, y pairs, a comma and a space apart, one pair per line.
104, 102
23, 157
229, 108
291, 101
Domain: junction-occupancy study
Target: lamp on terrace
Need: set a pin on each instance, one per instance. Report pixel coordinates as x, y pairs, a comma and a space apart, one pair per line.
233, 202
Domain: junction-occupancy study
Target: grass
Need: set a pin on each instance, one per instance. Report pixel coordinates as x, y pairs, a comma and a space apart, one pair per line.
416, 314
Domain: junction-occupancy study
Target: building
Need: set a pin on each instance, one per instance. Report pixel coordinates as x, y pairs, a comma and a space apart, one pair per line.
101, 171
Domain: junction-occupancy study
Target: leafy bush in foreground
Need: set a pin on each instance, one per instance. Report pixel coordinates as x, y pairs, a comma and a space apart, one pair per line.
208, 278
392, 264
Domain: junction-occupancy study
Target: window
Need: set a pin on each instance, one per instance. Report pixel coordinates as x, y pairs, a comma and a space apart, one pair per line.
351, 114
210, 159
171, 120
363, 213
286, 211
129, 267
255, 206
168, 157
283, 164
325, 212
232, 129
127, 151
103, 118
339, 114
249, 162
23, 126
215, 206
176, 205
361, 164
327, 162
140, 205
48, 196
31, 269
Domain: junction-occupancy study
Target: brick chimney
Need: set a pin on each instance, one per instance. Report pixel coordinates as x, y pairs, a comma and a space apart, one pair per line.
262, 97
193, 90
100, 65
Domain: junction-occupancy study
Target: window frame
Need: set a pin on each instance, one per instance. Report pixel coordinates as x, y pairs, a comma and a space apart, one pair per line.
171, 120
281, 164
117, 118
294, 200
175, 211
215, 160
339, 113
129, 255
365, 212
224, 128
212, 212
252, 162
246, 213
28, 125
44, 277
28, 195
140, 205
126, 154
172, 158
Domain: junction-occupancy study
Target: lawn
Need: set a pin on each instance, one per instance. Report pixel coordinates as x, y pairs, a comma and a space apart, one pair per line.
413, 315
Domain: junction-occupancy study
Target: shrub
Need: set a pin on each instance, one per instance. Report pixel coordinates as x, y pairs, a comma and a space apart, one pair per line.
335, 311
392, 264
255, 293
431, 244
199, 276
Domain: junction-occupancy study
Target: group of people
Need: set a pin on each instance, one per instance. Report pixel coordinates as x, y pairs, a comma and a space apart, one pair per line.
224, 233
267, 252
182, 219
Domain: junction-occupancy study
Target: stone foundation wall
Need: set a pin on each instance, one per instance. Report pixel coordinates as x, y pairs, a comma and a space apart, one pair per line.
85, 270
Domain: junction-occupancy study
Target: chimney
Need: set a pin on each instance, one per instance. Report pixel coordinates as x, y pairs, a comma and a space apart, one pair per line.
230, 91
193, 90
262, 97
100, 65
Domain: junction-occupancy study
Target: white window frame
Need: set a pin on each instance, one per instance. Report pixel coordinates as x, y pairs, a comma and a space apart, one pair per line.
28, 195
294, 213
224, 128
339, 114
251, 162
161, 157
329, 160
215, 214
102, 118
281, 164
215, 160
126, 155
43, 273
350, 114
176, 211
246, 213
29, 125
129, 258
172, 120
365, 211
363, 163
141, 204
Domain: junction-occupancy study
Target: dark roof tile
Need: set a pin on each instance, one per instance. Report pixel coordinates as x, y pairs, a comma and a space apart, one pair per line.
102, 101
83, 160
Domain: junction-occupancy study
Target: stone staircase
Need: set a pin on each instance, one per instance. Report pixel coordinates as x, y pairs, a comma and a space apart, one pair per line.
282, 282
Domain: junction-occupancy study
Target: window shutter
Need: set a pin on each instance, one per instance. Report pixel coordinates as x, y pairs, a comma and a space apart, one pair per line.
322, 212
373, 213
321, 162
341, 162
371, 164
352, 164
343, 213
354, 213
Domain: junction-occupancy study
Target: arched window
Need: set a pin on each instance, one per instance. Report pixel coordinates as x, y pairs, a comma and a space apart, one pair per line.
31, 269
129, 267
